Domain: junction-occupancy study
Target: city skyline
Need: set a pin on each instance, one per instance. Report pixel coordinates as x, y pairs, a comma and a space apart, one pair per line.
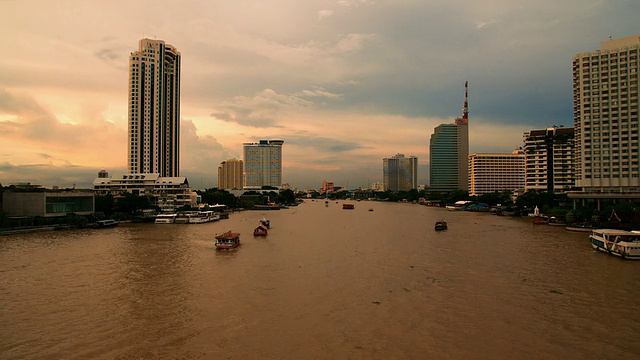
344, 83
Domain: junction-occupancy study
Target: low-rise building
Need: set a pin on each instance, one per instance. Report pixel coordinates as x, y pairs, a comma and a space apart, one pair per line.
48, 203
168, 193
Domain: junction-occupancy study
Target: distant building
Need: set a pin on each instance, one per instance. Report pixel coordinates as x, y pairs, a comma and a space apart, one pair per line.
263, 164
168, 193
230, 175
549, 160
47, 203
154, 109
400, 173
490, 173
605, 117
449, 154
327, 187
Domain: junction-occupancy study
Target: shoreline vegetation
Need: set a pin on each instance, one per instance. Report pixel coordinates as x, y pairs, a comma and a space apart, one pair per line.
548, 208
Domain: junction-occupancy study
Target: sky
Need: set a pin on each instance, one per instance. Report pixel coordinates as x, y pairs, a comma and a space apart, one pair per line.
345, 83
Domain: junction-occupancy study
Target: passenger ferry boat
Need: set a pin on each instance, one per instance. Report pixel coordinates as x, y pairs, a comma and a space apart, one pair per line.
625, 244
348, 206
228, 240
166, 218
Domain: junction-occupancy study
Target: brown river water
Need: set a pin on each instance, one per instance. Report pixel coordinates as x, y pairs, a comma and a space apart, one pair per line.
326, 283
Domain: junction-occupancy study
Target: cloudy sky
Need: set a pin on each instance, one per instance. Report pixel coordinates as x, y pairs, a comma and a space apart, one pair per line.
345, 83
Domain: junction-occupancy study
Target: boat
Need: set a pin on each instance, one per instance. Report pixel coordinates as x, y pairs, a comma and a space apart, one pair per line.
260, 231
622, 243
370, 209
348, 206
203, 217
266, 223
106, 223
441, 225
165, 218
185, 217
227, 240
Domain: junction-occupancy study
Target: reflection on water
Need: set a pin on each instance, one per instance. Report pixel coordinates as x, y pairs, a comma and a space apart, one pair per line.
325, 283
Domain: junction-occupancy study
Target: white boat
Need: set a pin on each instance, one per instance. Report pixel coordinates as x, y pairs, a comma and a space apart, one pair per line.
625, 244
166, 218
203, 217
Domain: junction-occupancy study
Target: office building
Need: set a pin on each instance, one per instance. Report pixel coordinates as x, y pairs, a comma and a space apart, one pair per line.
154, 109
549, 159
47, 203
605, 116
400, 173
449, 153
263, 164
231, 175
490, 173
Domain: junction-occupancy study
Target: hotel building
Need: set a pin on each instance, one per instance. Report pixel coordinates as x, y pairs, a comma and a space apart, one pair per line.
263, 164
168, 193
154, 109
449, 153
605, 116
400, 173
230, 175
490, 173
549, 157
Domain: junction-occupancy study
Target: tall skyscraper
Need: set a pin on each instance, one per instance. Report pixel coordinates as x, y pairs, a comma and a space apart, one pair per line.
449, 153
263, 164
549, 160
400, 173
230, 175
489, 173
154, 109
605, 117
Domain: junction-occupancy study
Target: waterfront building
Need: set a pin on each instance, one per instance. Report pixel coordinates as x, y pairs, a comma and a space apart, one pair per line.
327, 187
449, 153
400, 173
154, 109
262, 164
168, 193
605, 116
549, 157
490, 173
231, 175
47, 203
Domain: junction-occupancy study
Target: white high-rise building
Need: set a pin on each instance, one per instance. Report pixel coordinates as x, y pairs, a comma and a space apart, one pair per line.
154, 109
263, 164
605, 116
489, 173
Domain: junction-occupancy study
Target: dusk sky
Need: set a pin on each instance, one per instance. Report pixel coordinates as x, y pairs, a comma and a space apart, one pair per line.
344, 83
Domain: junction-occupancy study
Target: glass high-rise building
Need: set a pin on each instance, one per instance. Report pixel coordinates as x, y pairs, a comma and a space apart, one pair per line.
154, 109
400, 173
449, 154
605, 117
263, 164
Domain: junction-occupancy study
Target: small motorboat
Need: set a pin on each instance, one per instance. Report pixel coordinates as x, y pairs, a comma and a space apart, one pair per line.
266, 223
260, 231
441, 225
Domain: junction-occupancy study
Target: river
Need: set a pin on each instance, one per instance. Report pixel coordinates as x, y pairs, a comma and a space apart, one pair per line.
326, 283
